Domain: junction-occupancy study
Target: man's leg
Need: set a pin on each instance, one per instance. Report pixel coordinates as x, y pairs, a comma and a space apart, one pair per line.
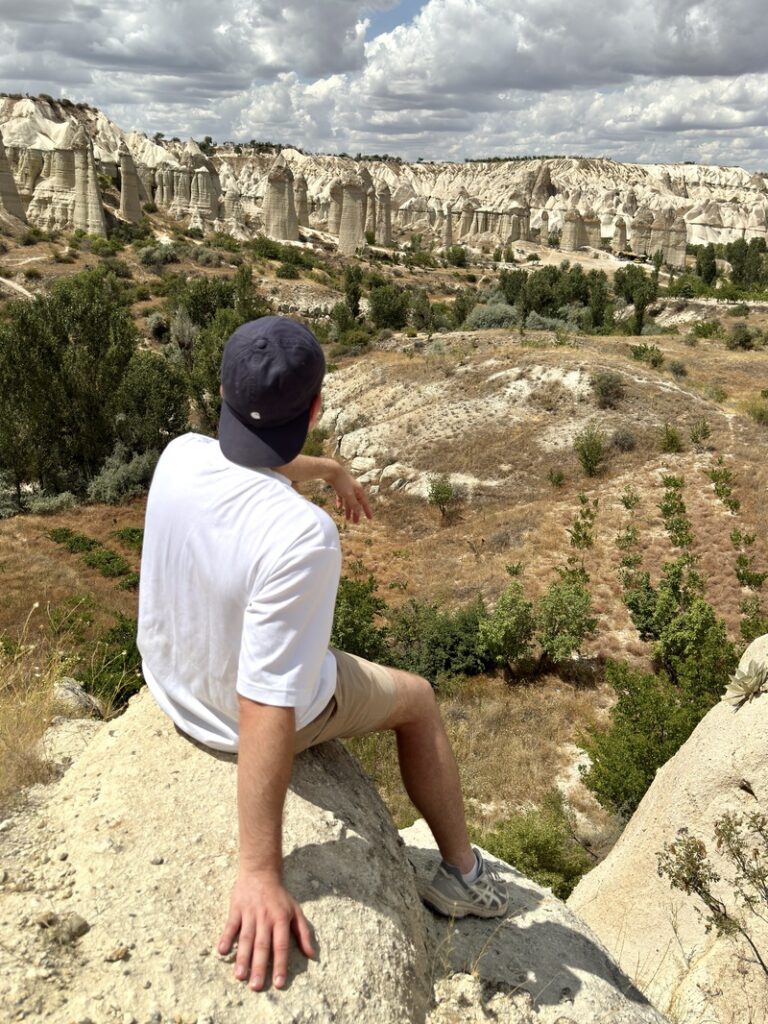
428, 766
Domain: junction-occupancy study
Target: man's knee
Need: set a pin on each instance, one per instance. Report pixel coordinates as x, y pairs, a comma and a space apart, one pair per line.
414, 700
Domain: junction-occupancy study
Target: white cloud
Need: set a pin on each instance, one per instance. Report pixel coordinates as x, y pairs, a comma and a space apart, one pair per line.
651, 80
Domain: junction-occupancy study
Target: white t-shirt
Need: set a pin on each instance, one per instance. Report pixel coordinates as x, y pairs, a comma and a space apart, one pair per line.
238, 584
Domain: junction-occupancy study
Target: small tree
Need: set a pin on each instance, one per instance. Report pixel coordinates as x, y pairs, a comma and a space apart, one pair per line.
608, 388
506, 634
389, 306
353, 288
445, 495
564, 617
589, 446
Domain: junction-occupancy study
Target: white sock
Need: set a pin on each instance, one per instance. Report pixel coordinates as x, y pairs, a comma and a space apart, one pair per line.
471, 876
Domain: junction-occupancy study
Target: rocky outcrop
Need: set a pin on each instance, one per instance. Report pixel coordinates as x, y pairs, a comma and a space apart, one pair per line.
10, 201
336, 203
280, 220
122, 894
641, 232
619, 243
384, 216
448, 226
130, 186
657, 933
88, 214
52, 205
592, 229
351, 236
574, 234
300, 197
544, 228
677, 243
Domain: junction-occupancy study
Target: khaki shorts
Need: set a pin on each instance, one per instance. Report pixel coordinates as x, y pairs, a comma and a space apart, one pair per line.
363, 701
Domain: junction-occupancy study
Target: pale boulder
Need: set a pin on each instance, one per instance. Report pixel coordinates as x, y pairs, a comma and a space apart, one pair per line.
655, 932
10, 201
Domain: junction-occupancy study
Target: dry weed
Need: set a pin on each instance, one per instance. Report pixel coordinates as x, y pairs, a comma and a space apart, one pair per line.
29, 667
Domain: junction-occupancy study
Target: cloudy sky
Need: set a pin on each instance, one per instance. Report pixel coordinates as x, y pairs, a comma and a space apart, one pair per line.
647, 80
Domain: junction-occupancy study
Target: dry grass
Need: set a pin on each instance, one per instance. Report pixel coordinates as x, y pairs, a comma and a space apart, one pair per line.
508, 742
29, 668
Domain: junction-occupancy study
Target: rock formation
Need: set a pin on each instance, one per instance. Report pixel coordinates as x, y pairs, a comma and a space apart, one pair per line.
302, 205
205, 193
336, 195
124, 891
351, 229
384, 216
88, 212
544, 228
677, 242
592, 229
654, 931
370, 212
467, 216
130, 198
53, 202
280, 220
366, 184
574, 235
10, 201
659, 239
448, 226
619, 243
641, 231
543, 188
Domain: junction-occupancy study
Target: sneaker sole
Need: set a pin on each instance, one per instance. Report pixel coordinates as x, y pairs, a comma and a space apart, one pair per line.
457, 908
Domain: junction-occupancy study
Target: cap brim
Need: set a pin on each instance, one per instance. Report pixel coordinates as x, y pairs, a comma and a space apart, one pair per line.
265, 447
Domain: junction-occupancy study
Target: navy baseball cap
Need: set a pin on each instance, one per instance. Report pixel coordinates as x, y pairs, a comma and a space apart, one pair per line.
271, 371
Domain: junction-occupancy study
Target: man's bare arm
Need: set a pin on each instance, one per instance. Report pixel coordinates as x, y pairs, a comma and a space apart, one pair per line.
350, 495
262, 913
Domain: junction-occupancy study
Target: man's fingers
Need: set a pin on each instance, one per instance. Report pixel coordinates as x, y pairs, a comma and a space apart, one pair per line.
229, 934
261, 949
303, 933
244, 949
363, 499
280, 940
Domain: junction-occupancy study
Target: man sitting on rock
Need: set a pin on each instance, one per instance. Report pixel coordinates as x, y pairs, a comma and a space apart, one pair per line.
238, 584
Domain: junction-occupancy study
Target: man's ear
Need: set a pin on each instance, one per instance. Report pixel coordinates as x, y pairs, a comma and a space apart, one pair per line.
315, 409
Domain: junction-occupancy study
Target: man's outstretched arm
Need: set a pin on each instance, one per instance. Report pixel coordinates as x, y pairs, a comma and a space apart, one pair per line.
350, 495
262, 913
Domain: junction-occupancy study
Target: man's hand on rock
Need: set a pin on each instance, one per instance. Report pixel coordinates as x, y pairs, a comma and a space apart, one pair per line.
262, 914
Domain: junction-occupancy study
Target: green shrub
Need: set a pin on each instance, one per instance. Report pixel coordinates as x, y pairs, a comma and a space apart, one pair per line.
670, 441
288, 271
444, 495
650, 354
314, 442
623, 440
589, 446
32, 274
556, 477
739, 309
608, 388
437, 644
707, 329
539, 843
149, 207
754, 622
648, 725
564, 618
740, 338
507, 633
112, 669
50, 504
678, 369
485, 317
354, 622
757, 408
122, 476
109, 563
73, 542
388, 306
700, 434
131, 536
456, 255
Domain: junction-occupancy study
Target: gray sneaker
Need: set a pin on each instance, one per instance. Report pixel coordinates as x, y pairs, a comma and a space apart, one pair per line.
450, 895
